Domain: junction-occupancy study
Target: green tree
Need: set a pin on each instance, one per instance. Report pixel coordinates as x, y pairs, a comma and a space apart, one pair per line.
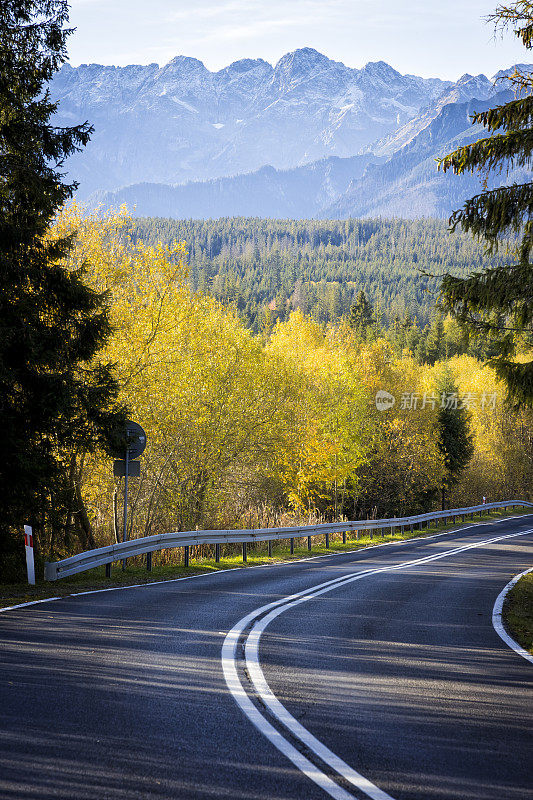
53, 396
361, 314
435, 344
496, 302
454, 437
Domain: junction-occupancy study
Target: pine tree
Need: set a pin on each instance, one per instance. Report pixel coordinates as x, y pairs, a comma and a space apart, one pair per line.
497, 302
52, 397
454, 437
435, 344
361, 314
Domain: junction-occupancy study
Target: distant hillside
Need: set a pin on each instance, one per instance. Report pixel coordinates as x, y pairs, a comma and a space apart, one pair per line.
298, 193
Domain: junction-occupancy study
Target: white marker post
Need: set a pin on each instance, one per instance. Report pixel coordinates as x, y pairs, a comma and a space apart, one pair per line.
30, 565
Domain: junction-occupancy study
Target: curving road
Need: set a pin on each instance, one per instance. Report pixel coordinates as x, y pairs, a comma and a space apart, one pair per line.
392, 680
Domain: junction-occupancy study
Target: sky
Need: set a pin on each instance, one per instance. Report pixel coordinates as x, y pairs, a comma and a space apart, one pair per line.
431, 38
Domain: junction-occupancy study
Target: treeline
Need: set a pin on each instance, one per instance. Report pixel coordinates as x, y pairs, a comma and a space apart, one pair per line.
264, 269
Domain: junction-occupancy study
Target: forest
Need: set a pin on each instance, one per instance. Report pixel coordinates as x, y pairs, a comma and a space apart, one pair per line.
283, 425
267, 267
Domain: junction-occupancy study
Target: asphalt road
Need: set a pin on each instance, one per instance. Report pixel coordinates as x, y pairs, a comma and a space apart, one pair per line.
121, 694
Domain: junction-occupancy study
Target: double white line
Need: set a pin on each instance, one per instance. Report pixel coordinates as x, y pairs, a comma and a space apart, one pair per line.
259, 620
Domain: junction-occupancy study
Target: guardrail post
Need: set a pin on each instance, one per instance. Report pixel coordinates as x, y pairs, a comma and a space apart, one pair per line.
292, 545
244, 551
217, 552
344, 537
309, 543
270, 548
402, 530
108, 570
186, 555
149, 561
327, 540
464, 517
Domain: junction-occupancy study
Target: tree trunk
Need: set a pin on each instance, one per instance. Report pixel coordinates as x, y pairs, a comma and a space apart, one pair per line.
83, 524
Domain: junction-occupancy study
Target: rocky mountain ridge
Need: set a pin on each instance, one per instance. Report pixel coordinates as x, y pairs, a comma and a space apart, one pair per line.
308, 137
182, 122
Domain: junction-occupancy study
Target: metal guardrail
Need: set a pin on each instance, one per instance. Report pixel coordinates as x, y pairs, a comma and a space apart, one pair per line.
163, 541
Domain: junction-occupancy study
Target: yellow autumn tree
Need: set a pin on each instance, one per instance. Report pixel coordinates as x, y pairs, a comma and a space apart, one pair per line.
331, 440
405, 467
502, 465
212, 403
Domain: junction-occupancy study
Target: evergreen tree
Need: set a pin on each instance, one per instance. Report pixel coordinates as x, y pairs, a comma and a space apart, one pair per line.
496, 302
435, 345
52, 398
361, 314
454, 438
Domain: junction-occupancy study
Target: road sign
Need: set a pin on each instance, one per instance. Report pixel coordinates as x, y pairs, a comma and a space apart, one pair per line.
119, 469
136, 439
131, 438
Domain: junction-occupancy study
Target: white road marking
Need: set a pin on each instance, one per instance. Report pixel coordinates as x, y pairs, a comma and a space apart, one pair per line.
274, 609
498, 622
30, 603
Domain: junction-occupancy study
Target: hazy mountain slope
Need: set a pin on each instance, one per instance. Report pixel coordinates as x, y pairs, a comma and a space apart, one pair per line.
467, 88
409, 184
182, 122
297, 194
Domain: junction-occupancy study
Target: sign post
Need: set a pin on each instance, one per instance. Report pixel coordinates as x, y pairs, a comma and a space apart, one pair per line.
30, 563
135, 444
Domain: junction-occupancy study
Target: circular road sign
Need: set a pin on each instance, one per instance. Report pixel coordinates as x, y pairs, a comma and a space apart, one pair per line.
136, 438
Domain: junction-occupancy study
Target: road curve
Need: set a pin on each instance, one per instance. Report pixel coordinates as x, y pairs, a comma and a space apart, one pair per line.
399, 674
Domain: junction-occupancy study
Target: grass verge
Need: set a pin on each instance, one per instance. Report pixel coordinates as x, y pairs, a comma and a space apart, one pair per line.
13, 594
518, 612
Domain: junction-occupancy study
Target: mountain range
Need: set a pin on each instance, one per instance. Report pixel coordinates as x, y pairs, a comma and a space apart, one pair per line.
307, 137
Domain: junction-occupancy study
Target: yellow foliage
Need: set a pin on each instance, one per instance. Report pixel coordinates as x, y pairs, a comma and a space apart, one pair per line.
233, 420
